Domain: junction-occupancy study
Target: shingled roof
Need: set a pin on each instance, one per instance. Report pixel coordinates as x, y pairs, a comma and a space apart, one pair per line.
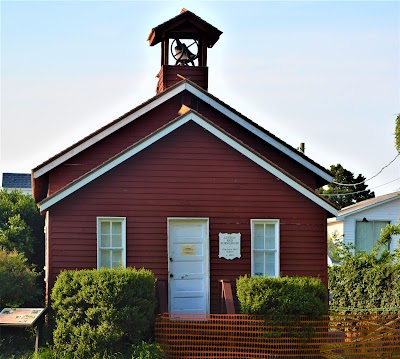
16, 180
368, 203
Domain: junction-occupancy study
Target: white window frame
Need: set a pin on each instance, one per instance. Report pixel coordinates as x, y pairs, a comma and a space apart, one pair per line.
275, 222
121, 220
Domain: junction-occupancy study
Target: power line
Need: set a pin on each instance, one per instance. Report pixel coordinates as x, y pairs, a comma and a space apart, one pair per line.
351, 193
356, 184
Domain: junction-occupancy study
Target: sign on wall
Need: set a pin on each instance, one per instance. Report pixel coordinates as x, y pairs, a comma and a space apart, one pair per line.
188, 250
229, 245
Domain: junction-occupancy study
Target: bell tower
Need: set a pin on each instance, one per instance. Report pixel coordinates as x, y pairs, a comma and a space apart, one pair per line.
184, 42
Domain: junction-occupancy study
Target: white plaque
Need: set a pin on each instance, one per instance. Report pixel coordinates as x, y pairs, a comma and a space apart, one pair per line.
229, 245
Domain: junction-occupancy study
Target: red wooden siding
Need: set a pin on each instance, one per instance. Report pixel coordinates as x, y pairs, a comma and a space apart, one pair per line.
150, 122
189, 173
168, 76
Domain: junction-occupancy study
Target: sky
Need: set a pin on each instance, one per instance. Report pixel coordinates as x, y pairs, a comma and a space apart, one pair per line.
323, 73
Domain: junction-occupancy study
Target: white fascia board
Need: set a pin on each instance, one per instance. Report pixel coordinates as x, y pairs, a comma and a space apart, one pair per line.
164, 132
91, 176
158, 101
83, 146
262, 163
257, 132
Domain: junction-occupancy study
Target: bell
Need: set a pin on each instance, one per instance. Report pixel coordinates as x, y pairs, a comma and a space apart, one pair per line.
183, 55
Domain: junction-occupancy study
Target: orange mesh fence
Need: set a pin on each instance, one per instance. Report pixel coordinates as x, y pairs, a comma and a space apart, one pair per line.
247, 336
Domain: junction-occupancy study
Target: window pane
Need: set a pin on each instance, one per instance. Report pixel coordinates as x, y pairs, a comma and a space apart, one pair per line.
258, 263
116, 258
105, 258
105, 240
378, 226
117, 228
270, 236
117, 241
105, 227
259, 236
270, 264
367, 234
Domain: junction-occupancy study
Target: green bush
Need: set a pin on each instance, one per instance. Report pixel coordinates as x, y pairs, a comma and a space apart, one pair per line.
147, 351
283, 301
17, 281
102, 311
21, 226
284, 295
366, 281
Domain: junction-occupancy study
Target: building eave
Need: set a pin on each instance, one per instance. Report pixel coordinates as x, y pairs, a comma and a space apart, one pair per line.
347, 211
160, 99
167, 129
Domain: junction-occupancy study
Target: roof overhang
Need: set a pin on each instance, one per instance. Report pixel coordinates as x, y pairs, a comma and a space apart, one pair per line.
160, 99
190, 22
359, 207
167, 129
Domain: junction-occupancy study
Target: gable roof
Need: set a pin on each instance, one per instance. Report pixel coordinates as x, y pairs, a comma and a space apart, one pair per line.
167, 129
16, 180
211, 33
367, 204
184, 85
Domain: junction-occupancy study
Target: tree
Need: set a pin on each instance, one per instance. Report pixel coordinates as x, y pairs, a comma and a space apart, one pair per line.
17, 281
341, 195
21, 226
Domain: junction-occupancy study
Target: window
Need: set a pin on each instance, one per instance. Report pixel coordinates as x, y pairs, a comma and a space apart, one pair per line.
367, 234
111, 242
265, 247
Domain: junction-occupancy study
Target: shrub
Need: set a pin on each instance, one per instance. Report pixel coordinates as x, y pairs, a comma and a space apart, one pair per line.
147, 351
284, 295
17, 281
367, 281
102, 311
283, 301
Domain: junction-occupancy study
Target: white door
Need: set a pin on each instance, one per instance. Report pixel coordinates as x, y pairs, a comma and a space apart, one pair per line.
188, 289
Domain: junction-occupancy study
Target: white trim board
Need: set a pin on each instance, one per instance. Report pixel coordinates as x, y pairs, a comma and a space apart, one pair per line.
180, 121
347, 213
163, 97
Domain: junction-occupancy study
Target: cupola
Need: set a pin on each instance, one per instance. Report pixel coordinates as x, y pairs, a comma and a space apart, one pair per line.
184, 42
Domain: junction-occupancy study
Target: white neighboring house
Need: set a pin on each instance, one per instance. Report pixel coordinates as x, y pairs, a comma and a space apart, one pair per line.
19, 181
361, 223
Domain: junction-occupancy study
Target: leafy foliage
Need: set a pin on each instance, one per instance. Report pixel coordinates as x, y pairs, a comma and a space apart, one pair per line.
147, 351
283, 301
367, 281
343, 196
17, 281
21, 226
282, 296
102, 311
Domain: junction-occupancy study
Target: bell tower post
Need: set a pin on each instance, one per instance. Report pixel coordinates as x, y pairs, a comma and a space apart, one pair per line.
184, 42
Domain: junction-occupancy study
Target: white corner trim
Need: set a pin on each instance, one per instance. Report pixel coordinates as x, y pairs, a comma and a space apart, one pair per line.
91, 141
190, 116
257, 132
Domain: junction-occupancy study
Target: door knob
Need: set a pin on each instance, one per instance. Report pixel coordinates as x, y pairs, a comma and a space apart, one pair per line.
171, 275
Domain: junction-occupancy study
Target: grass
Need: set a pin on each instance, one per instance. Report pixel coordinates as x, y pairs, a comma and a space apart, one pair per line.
19, 343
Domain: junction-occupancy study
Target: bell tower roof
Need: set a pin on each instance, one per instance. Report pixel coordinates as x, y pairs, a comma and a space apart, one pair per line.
184, 40
186, 23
